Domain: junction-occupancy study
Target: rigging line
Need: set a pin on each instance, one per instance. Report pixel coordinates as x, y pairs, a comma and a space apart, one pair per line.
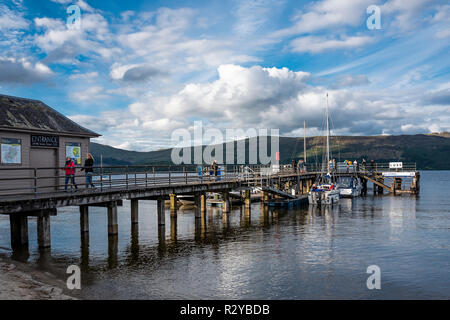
337, 140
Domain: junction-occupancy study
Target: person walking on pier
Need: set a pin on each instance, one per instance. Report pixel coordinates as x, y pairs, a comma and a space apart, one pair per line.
300, 166
70, 174
355, 166
214, 167
89, 170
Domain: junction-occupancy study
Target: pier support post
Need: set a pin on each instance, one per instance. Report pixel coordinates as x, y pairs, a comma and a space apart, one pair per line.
173, 230
264, 197
43, 230
161, 212
173, 205
198, 205
226, 203
247, 199
113, 228
364, 186
203, 202
397, 183
84, 219
19, 230
380, 188
134, 211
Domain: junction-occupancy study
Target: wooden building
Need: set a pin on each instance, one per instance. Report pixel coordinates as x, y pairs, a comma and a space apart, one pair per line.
33, 136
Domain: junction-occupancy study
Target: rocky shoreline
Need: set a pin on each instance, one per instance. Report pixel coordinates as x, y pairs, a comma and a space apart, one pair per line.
19, 281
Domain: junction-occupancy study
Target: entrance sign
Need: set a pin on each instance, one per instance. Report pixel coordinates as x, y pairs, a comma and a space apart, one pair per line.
395, 165
45, 141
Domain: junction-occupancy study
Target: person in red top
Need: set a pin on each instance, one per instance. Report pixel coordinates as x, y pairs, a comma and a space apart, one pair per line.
69, 169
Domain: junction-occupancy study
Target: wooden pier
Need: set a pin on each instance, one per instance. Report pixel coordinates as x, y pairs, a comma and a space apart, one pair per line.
115, 184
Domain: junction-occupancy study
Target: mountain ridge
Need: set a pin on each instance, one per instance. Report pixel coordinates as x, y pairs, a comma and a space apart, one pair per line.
429, 151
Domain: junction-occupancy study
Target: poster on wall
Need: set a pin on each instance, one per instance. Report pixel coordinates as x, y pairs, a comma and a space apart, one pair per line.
73, 150
11, 151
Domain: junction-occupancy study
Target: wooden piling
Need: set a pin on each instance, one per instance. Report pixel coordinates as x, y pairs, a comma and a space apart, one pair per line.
84, 219
173, 205
19, 230
380, 188
203, 202
161, 212
247, 199
43, 231
113, 228
198, 205
173, 230
134, 211
226, 203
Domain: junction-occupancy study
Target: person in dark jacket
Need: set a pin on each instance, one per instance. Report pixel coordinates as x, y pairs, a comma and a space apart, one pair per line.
88, 168
215, 168
69, 169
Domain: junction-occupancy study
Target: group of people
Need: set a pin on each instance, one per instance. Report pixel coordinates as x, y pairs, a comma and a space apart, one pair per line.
69, 170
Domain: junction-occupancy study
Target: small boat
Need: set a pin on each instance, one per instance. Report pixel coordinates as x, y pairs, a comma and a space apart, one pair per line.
324, 194
350, 187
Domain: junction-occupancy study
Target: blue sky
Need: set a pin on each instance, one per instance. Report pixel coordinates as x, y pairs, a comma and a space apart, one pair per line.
135, 71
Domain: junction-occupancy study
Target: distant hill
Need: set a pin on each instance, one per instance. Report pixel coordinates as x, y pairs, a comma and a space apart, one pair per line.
430, 151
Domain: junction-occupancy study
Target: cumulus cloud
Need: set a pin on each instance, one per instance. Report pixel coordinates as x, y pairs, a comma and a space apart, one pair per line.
22, 71
277, 98
63, 45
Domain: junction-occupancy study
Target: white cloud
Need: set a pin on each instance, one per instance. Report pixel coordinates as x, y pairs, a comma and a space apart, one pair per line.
22, 71
327, 14
442, 34
319, 44
11, 20
270, 98
63, 44
84, 76
406, 15
89, 94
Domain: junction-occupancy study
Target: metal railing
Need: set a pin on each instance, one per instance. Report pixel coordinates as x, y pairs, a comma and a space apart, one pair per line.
40, 181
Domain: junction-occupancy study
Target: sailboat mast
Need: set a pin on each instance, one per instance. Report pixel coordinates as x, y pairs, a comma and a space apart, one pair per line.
328, 138
304, 140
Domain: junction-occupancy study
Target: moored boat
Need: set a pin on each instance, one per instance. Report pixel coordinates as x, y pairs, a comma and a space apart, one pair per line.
350, 187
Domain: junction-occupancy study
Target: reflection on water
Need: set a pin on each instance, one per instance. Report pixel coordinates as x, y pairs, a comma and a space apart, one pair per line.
258, 252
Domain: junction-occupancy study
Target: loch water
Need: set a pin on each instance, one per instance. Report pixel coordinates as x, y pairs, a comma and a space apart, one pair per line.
303, 253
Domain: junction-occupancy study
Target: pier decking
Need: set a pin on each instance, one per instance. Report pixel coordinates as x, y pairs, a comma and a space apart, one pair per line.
115, 184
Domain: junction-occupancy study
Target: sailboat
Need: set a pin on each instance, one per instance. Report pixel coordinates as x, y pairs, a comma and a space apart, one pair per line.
325, 191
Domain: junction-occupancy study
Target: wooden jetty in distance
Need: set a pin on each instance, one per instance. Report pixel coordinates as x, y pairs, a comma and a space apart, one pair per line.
32, 197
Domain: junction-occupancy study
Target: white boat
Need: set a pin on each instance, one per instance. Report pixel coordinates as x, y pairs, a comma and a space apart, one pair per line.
350, 187
324, 194
326, 191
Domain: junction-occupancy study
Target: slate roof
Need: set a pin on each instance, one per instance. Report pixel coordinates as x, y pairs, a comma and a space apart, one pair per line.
27, 114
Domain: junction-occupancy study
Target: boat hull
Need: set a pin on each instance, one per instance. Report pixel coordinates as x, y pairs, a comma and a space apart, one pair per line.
324, 197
